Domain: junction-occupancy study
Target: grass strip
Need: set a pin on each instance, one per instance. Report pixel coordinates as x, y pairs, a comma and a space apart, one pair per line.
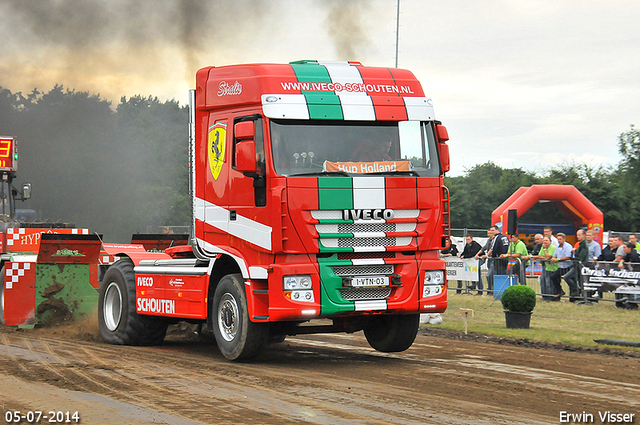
561, 321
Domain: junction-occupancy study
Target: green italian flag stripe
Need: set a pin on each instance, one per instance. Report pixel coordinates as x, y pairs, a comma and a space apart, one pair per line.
330, 298
322, 105
335, 193
330, 221
335, 235
311, 73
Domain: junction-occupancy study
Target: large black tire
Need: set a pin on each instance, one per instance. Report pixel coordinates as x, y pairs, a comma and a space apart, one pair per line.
237, 337
118, 320
392, 333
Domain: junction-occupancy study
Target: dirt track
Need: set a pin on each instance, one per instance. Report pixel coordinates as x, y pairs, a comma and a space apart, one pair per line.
329, 379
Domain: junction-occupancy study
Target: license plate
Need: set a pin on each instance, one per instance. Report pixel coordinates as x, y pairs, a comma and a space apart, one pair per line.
362, 281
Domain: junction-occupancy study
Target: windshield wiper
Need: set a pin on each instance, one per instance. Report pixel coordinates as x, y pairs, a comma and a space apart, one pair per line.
392, 173
322, 173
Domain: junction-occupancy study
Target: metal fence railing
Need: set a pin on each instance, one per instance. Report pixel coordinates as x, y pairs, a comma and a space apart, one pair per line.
532, 273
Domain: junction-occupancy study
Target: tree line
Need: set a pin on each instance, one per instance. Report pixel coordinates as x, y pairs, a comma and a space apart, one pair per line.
124, 169
116, 171
615, 190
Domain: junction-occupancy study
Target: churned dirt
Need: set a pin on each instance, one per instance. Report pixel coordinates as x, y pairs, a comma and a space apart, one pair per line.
446, 377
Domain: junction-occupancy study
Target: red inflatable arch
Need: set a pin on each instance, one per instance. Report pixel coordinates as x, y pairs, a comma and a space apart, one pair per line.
567, 198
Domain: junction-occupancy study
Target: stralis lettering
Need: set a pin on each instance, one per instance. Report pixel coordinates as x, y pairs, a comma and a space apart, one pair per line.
154, 305
226, 89
145, 281
367, 214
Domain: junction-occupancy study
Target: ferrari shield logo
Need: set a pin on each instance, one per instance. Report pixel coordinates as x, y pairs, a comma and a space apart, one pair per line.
217, 138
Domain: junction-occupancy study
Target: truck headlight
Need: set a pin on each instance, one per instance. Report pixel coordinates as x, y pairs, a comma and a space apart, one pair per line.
298, 288
294, 282
433, 283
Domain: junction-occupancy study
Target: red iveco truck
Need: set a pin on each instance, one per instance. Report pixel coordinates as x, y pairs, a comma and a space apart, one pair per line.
318, 193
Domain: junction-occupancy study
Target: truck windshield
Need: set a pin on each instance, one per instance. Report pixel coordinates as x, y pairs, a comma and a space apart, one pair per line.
354, 147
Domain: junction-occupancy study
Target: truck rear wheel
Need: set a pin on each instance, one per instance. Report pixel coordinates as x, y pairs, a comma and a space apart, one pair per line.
238, 338
117, 317
392, 333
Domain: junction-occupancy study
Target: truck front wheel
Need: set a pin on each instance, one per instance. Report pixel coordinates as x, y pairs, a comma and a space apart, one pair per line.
392, 333
237, 337
117, 317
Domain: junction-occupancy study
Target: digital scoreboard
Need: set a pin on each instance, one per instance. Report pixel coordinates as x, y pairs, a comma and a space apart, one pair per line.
8, 154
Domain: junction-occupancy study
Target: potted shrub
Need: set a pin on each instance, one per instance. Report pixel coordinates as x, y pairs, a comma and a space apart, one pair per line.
518, 302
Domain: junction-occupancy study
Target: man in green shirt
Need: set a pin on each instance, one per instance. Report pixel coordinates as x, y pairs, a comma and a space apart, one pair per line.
546, 257
517, 254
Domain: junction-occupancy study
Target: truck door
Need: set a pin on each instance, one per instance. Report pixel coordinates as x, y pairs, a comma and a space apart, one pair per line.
249, 212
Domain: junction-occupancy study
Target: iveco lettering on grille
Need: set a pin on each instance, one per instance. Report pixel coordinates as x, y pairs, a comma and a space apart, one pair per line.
367, 214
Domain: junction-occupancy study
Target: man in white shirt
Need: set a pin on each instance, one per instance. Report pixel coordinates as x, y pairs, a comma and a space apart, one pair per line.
594, 247
563, 256
548, 232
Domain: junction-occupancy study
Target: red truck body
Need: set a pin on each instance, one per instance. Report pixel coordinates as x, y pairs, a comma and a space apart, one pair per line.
318, 193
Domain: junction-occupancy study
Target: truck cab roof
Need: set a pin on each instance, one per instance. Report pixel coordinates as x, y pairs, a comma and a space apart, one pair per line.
315, 90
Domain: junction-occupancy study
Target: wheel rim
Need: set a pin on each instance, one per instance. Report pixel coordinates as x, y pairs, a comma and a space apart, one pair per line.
112, 306
228, 317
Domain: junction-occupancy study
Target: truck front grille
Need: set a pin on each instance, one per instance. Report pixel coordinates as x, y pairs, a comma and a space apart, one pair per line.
386, 269
365, 235
364, 242
356, 294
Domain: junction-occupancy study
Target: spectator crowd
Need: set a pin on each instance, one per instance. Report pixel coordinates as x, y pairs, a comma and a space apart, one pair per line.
508, 255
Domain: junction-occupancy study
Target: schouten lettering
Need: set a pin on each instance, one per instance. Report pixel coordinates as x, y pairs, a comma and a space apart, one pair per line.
155, 305
145, 281
367, 214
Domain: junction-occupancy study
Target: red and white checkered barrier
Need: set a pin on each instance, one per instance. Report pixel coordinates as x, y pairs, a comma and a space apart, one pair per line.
14, 272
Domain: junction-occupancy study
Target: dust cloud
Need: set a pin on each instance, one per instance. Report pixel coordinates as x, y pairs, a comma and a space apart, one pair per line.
108, 46
346, 24
103, 49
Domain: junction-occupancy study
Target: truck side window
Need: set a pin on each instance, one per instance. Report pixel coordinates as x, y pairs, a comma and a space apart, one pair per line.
259, 179
430, 150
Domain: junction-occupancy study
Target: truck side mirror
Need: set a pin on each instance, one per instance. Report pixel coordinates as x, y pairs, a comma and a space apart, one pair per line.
246, 156
443, 149
26, 191
244, 132
442, 133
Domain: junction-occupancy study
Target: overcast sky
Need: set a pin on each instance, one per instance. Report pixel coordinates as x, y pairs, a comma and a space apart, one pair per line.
526, 83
